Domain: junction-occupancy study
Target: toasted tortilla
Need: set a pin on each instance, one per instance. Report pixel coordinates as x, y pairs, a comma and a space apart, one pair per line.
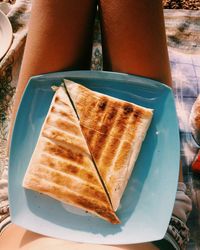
114, 130
61, 165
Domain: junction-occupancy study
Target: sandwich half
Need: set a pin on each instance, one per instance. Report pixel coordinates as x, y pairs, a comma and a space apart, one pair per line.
61, 165
114, 130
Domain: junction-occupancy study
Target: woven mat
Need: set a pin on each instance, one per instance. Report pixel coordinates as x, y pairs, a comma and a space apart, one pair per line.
182, 4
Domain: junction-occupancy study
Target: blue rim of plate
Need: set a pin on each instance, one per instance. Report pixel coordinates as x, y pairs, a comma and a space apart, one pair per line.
146, 215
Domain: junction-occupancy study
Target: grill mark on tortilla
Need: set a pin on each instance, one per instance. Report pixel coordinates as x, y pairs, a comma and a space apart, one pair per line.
90, 103
61, 113
64, 138
98, 145
63, 152
97, 112
68, 167
124, 156
113, 119
97, 141
68, 181
66, 125
72, 198
88, 133
60, 101
105, 161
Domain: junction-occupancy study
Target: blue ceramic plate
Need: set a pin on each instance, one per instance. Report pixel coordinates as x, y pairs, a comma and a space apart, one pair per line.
148, 200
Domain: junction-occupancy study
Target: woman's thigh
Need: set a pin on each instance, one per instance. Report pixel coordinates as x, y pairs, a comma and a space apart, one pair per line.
17, 238
134, 40
59, 36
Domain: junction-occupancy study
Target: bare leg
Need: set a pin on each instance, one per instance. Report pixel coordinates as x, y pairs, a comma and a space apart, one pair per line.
59, 38
134, 38
17, 238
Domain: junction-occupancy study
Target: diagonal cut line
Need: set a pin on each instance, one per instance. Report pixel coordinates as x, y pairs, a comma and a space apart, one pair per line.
71, 101
102, 182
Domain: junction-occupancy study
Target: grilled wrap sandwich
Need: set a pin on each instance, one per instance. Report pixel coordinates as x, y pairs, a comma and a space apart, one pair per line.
114, 131
61, 165
87, 149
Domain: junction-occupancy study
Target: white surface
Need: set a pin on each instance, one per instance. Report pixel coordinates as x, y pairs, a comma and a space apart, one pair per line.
5, 34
